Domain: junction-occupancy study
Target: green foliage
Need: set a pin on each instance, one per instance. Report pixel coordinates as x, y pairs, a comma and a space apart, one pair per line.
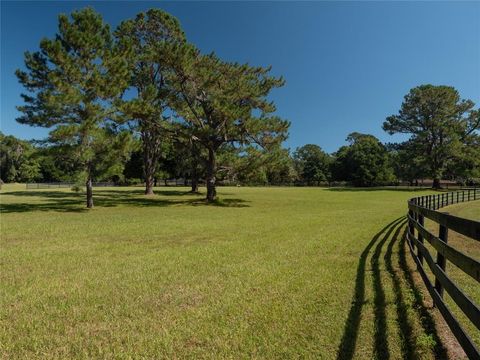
365, 162
73, 78
405, 163
443, 129
150, 36
17, 160
312, 164
225, 103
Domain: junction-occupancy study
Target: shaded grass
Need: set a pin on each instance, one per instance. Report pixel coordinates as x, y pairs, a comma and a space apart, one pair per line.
350, 333
264, 273
426, 318
61, 201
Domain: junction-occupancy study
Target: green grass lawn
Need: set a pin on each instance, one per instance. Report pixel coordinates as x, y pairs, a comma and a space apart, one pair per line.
264, 273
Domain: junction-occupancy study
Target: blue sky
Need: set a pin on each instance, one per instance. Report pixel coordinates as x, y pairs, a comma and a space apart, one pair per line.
347, 65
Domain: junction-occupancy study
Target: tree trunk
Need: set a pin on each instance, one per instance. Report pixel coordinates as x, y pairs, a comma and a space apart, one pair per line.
89, 193
211, 172
194, 184
149, 166
194, 174
436, 184
151, 153
149, 184
194, 177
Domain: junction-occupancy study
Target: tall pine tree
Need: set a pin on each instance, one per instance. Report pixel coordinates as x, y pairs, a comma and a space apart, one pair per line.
443, 128
72, 81
225, 103
151, 36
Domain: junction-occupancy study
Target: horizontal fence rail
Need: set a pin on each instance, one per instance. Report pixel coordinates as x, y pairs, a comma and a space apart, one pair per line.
57, 185
424, 207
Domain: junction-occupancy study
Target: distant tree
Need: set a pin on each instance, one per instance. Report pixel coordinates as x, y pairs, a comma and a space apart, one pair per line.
17, 160
134, 166
441, 125
73, 79
226, 103
312, 164
404, 162
251, 165
55, 165
151, 36
188, 158
280, 167
466, 167
364, 162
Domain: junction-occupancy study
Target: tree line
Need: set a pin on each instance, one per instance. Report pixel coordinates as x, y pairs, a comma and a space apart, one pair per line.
141, 102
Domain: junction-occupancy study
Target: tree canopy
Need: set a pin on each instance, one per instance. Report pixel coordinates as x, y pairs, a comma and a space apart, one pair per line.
364, 162
443, 128
150, 37
312, 164
225, 103
73, 79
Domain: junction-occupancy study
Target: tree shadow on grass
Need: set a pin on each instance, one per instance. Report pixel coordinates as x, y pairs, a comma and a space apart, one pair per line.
237, 203
408, 342
60, 205
138, 192
62, 201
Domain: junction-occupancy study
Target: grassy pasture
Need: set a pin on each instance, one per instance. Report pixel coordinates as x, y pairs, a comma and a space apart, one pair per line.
264, 273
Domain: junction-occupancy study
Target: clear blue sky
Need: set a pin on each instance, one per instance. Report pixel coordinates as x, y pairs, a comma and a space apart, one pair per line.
347, 65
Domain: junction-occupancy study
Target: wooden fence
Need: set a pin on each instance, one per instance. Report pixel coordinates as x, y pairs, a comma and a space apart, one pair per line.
424, 207
56, 185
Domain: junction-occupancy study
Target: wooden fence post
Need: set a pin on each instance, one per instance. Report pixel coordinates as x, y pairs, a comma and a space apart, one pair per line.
441, 261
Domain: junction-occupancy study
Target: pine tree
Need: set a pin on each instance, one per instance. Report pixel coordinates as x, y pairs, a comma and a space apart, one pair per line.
151, 36
225, 103
442, 126
72, 81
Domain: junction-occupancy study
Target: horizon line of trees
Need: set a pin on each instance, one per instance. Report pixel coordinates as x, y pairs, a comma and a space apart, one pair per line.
142, 102
364, 162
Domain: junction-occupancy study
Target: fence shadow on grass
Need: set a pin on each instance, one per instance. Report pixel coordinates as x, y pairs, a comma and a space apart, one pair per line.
409, 349
426, 318
64, 201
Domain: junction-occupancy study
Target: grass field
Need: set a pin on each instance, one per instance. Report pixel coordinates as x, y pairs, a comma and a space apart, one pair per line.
264, 273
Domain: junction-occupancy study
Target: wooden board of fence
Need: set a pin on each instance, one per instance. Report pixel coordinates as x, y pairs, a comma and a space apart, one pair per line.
425, 207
